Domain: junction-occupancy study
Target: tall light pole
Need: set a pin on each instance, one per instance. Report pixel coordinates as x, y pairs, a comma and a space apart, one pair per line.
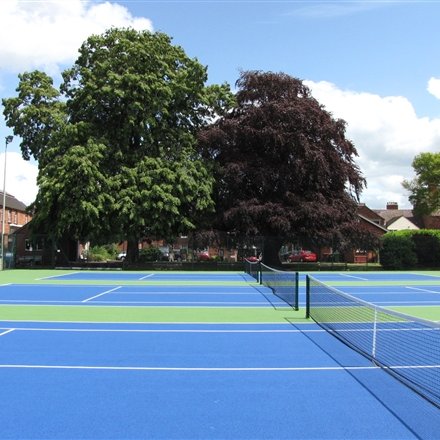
8, 140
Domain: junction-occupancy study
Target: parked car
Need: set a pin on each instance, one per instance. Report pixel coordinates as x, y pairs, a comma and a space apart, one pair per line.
252, 259
121, 256
203, 256
303, 256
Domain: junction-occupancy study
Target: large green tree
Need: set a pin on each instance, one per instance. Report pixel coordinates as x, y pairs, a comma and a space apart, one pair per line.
424, 189
284, 168
116, 143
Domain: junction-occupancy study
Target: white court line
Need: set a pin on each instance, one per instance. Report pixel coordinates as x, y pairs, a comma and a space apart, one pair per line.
122, 368
103, 293
129, 368
171, 303
57, 276
158, 292
352, 276
7, 331
146, 276
422, 290
106, 330
6, 284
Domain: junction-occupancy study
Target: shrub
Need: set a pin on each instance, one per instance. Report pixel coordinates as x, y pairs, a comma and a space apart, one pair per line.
150, 254
427, 247
99, 253
398, 251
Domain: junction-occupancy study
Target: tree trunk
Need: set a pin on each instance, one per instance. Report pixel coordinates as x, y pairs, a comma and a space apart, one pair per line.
132, 249
271, 249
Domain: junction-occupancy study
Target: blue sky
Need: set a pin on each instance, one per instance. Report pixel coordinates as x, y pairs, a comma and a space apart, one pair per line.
375, 64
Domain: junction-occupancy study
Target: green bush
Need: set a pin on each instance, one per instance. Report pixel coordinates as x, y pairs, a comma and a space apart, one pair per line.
427, 247
149, 254
100, 253
398, 251
406, 249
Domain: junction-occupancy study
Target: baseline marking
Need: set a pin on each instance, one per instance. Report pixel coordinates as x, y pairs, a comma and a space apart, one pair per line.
121, 368
91, 330
103, 293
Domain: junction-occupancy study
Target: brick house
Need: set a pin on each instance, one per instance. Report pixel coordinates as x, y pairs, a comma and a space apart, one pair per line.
15, 217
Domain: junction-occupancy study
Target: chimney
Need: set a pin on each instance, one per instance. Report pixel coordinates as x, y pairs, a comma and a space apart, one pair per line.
392, 205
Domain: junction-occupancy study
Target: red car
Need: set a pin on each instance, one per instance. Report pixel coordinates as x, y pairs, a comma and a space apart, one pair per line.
303, 256
252, 259
203, 256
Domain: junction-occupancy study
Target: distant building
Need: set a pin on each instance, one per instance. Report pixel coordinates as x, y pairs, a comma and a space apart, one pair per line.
400, 219
15, 215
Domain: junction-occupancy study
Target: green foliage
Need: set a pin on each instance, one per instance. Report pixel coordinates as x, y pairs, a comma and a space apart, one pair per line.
406, 249
427, 247
424, 189
102, 253
116, 144
150, 254
398, 251
36, 113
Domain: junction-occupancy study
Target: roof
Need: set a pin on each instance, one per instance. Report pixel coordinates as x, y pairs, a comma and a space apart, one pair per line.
372, 223
12, 202
390, 215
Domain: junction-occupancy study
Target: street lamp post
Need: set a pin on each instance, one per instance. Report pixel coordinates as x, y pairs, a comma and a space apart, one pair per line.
8, 140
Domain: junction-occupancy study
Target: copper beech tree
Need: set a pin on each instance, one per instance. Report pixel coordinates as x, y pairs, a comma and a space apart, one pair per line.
283, 167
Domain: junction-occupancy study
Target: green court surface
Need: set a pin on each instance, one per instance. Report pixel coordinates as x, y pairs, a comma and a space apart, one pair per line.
147, 314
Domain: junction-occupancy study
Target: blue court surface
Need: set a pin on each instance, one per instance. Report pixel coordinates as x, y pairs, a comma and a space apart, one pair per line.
284, 378
198, 381
139, 295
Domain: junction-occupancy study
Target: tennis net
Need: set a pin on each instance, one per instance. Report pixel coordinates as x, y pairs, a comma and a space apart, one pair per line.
252, 268
283, 284
405, 346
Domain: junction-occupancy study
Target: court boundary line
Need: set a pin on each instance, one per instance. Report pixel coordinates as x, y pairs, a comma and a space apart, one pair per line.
353, 276
100, 294
109, 330
422, 290
140, 368
57, 276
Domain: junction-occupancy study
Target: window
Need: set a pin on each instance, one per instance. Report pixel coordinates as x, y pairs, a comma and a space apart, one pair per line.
35, 244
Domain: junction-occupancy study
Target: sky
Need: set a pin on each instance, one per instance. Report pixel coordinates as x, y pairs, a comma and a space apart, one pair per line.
374, 64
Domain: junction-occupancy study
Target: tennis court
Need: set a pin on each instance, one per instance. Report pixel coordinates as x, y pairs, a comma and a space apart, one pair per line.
86, 361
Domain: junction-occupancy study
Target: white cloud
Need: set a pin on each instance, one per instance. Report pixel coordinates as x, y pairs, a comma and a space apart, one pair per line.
434, 87
21, 177
387, 134
47, 34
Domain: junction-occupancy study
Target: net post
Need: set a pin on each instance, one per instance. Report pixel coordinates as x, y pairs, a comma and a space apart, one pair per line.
296, 290
373, 349
307, 296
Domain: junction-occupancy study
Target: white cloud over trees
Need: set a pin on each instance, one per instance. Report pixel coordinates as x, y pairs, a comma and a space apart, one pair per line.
47, 34
387, 133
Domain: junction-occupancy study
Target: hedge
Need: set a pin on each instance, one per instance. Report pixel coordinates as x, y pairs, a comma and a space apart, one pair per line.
411, 248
